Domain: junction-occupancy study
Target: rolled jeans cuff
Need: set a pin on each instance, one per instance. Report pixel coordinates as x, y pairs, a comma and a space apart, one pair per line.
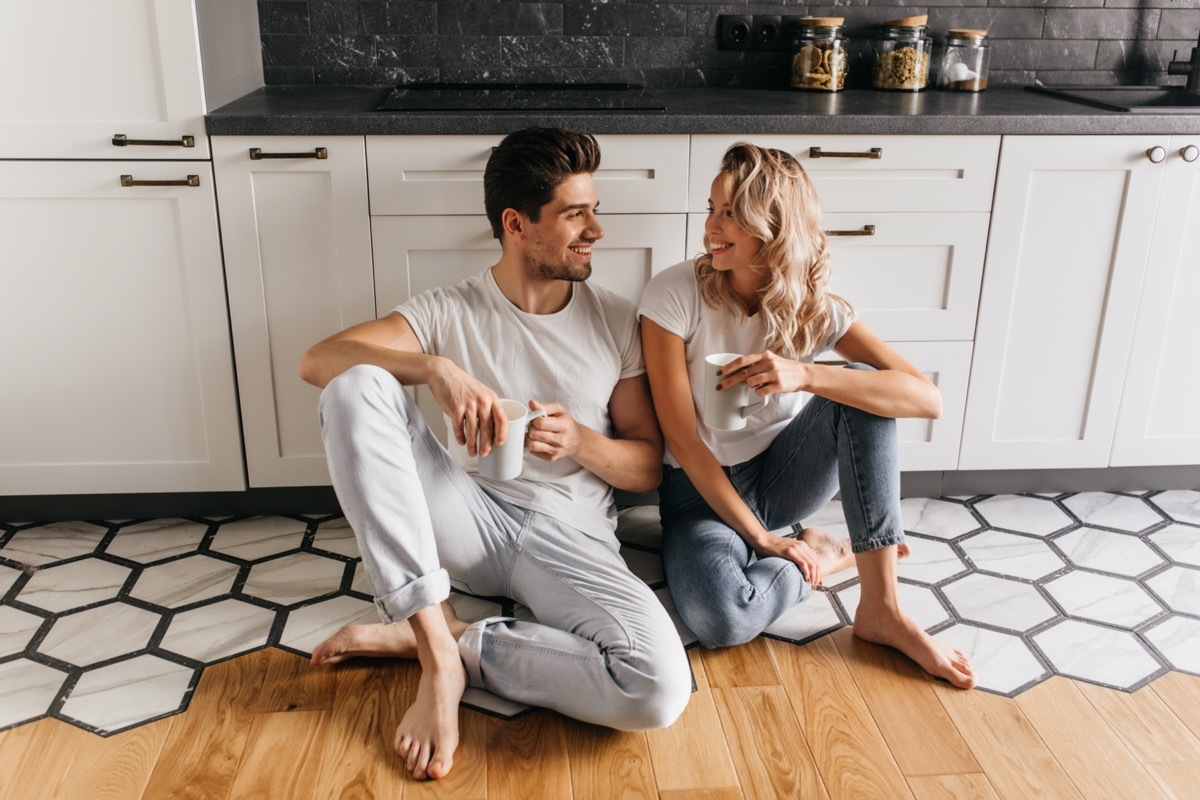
470, 648
877, 542
427, 590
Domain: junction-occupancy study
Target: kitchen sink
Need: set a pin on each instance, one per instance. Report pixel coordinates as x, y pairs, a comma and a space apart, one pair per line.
521, 97
1135, 99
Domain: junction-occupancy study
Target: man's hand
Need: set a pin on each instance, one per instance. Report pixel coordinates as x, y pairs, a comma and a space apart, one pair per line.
476, 419
556, 435
765, 373
794, 550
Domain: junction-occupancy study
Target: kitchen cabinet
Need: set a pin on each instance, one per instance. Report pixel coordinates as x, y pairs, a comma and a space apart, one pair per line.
906, 218
118, 375
121, 79
297, 240
1159, 418
1071, 232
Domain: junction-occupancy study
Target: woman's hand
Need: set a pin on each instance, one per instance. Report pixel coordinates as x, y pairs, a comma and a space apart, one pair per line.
765, 373
796, 551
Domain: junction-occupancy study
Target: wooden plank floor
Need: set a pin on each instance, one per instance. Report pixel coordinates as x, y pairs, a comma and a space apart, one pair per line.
837, 718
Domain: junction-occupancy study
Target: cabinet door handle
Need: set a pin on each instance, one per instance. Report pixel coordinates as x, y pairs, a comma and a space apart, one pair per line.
190, 180
867, 230
816, 152
1156, 154
121, 140
256, 154
1190, 153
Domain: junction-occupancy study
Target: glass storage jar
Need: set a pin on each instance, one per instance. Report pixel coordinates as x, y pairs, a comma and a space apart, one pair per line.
902, 54
819, 61
965, 61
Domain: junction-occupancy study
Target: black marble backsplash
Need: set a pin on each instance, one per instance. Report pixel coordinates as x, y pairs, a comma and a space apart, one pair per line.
386, 42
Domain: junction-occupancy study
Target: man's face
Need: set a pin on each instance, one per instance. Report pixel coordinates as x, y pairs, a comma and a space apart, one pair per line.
559, 244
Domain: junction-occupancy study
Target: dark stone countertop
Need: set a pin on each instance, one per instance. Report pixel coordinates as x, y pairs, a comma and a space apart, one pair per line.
334, 110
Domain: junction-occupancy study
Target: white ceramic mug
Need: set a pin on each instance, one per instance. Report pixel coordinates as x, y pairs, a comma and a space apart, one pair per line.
505, 461
727, 410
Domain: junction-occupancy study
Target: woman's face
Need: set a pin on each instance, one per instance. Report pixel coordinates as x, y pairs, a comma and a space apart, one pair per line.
731, 246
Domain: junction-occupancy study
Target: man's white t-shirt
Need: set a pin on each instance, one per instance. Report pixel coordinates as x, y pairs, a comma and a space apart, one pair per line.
573, 357
672, 300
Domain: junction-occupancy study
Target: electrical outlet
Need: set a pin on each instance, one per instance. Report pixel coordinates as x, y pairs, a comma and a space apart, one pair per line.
766, 32
733, 31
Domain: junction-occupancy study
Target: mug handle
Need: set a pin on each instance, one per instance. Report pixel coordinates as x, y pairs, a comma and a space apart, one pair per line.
531, 416
753, 407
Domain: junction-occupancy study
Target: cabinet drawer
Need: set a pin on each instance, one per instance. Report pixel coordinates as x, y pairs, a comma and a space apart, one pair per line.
444, 174
912, 173
916, 277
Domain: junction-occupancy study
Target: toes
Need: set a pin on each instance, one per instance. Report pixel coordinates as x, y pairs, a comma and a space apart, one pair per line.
439, 767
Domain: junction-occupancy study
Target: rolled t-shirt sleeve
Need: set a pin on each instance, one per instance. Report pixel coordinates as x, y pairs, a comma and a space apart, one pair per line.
425, 313
843, 317
669, 299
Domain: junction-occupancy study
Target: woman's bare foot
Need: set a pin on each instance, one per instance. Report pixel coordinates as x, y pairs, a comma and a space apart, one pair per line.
833, 552
891, 627
428, 734
379, 640
903, 550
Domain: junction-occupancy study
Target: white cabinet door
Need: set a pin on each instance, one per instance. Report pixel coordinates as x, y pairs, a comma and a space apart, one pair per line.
444, 174
297, 242
1160, 408
116, 359
77, 73
932, 444
414, 254
1067, 252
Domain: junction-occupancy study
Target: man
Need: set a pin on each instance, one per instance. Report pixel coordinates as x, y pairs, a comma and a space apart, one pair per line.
529, 328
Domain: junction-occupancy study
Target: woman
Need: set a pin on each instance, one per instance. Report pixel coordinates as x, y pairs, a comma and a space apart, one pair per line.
760, 289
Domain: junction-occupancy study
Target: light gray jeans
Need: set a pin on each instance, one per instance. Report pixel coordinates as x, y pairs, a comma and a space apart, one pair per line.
603, 650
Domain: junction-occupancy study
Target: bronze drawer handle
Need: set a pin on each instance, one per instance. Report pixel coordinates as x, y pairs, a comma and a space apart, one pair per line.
190, 180
867, 230
816, 152
256, 154
121, 140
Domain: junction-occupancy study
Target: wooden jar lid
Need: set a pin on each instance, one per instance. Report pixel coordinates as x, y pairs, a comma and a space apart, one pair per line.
966, 33
822, 22
908, 22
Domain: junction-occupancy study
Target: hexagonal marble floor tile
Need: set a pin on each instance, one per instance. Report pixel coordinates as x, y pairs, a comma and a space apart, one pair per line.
147, 542
937, 518
1035, 515
1121, 553
685, 634
1000, 602
1113, 511
336, 536
74, 585
919, 602
361, 583
259, 537
128, 693
1096, 654
1178, 639
1002, 662
58, 541
1180, 505
27, 689
647, 566
16, 629
1010, 554
8, 577
219, 630
1180, 542
640, 525
99, 633
307, 627
293, 578
187, 580
1103, 599
1179, 587
808, 620
929, 561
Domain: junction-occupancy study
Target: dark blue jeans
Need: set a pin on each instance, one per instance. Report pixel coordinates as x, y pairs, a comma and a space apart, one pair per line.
723, 597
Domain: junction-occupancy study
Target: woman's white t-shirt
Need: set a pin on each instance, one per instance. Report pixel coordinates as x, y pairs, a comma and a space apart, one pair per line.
672, 300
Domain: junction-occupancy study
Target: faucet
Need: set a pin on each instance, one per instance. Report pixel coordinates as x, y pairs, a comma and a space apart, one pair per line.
1189, 68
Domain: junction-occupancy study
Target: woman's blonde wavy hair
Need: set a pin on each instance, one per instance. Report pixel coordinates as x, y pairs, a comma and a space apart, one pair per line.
772, 200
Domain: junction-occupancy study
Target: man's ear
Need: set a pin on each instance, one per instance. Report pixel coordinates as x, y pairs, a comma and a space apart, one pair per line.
513, 222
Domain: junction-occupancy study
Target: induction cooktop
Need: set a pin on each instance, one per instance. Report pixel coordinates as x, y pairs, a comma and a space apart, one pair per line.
521, 97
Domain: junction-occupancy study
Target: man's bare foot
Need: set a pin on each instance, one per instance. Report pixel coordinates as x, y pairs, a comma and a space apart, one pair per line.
428, 734
379, 640
893, 628
833, 552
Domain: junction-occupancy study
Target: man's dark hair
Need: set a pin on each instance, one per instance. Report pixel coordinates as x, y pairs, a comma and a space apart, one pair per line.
526, 168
